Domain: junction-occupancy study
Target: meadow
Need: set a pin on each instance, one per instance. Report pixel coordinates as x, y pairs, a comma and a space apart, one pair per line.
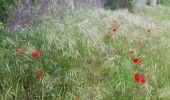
89, 54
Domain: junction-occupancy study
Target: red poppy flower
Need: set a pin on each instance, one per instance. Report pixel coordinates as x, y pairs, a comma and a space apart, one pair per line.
77, 98
36, 53
39, 74
113, 30
143, 80
20, 50
136, 60
132, 52
148, 30
137, 78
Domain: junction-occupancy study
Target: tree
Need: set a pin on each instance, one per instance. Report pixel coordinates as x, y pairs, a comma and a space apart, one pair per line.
116, 4
153, 2
142, 2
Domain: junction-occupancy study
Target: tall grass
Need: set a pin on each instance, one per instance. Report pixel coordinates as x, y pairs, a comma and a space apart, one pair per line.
77, 60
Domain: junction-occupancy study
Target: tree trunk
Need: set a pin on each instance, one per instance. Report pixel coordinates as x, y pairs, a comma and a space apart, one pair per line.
153, 2
24, 14
143, 2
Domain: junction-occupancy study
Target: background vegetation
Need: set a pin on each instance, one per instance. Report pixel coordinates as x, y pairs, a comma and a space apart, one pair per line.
6, 6
116, 4
164, 2
5, 9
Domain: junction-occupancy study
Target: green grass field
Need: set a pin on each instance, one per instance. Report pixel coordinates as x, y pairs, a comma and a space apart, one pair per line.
82, 59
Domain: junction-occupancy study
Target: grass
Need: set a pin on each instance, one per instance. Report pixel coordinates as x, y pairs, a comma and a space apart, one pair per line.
78, 60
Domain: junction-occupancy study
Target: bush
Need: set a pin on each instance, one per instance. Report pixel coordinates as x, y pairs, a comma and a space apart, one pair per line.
5, 9
164, 2
116, 4
148, 2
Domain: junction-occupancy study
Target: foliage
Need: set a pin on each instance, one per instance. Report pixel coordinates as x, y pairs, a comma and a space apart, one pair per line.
164, 2
1, 26
160, 1
77, 61
5, 9
148, 2
116, 4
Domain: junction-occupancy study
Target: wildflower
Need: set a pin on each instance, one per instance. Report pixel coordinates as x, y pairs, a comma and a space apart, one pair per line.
113, 30
20, 50
143, 80
36, 53
39, 74
136, 60
137, 78
148, 30
132, 52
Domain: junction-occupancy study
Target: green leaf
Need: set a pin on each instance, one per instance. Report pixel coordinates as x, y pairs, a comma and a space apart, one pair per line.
34, 2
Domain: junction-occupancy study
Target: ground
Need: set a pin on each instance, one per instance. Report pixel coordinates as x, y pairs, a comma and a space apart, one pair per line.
89, 55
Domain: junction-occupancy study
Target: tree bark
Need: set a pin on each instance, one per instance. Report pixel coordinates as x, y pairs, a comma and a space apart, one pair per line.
143, 2
23, 15
153, 2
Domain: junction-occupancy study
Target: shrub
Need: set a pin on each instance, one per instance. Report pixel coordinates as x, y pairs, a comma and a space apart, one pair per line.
164, 2
5, 9
148, 2
116, 4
